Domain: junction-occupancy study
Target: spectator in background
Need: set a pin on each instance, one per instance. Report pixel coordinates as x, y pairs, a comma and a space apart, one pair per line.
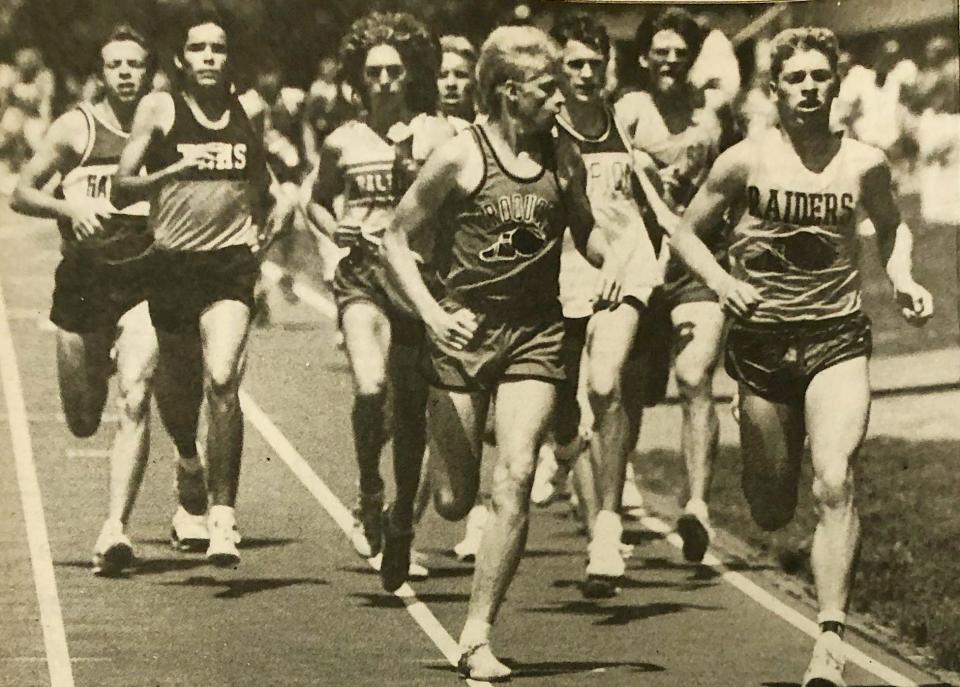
27, 110
456, 80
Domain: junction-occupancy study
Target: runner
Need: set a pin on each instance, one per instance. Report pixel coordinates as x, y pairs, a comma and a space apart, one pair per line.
673, 123
208, 179
390, 60
99, 298
603, 338
504, 191
799, 344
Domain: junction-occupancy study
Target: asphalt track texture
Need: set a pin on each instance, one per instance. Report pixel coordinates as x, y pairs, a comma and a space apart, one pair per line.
302, 608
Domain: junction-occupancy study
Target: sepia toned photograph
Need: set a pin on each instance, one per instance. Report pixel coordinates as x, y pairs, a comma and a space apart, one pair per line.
439, 342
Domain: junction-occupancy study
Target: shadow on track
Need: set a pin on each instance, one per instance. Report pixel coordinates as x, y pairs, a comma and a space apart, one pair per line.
237, 588
622, 614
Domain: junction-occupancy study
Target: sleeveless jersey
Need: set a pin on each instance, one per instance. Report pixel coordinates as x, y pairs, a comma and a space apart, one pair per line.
609, 177
796, 241
502, 242
376, 171
211, 207
125, 236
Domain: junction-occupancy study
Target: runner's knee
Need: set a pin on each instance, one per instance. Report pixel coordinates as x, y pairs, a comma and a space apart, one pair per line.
693, 379
833, 487
82, 423
134, 400
771, 509
603, 391
450, 506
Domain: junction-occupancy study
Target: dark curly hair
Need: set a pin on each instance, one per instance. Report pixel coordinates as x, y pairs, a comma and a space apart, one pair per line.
791, 41
671, 19
583, 28
418, 47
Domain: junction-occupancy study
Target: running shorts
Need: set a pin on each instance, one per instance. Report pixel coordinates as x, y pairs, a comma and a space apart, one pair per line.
90, 296
506, 347
777, 361
187, 283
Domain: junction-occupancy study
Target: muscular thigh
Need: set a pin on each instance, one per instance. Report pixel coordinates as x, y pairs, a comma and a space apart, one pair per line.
837, 410
698, 336
224, 326
135, 348
524, 409
366, 335
610, 339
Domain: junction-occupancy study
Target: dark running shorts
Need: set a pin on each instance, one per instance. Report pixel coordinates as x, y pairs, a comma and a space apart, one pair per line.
187, 283
681, 286
92, 296
506, 347
778, 361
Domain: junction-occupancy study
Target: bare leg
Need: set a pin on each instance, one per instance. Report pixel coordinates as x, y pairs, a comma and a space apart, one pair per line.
83, 370
455, 421
136, 347
178, 388
523, 411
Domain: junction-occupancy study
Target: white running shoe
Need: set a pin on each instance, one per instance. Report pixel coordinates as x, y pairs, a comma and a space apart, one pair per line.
222, 550
826, 664
466, 549
550, 478
113, 551
416, 571
188, 532
605, 563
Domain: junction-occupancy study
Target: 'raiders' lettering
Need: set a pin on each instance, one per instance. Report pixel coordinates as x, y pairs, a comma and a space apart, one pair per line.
799, 208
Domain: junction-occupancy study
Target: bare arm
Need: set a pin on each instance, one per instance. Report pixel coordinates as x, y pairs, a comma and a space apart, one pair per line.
438, 178
895, 242
151, 121
61, 151
326, 186
721, 189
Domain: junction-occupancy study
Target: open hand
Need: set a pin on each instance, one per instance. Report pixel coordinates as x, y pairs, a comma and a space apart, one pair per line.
455, 330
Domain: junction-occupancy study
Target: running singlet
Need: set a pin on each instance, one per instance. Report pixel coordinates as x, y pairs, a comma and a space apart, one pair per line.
376, 171
125, 236
609, 177
504, 239
211, 207
796, 241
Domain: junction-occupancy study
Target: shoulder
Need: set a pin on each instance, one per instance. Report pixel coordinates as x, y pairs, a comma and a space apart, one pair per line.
736, 162
70, 131
251, 103
339, 137
863, 156
633, 105
158, 104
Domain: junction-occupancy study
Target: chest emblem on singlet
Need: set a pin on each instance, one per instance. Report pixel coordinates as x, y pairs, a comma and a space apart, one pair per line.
227, 156
521, 218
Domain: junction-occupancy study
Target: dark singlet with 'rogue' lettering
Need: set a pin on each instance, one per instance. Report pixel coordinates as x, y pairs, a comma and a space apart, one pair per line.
505, 237
210, 207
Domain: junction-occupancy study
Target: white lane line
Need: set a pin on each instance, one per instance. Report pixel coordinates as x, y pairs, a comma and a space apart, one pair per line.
740, 582
774, 605
74, 453
51, 617
336, 510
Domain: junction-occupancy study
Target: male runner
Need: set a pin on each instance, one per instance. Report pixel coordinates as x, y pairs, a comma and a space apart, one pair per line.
604, 337
390, 60
99, 298
675, 125
504, 191
208, 180
799, 343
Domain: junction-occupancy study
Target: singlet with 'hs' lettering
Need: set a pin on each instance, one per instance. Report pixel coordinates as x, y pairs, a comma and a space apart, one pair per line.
502, 242
609, 172
209, 207
125, 236
376, 170
796, 241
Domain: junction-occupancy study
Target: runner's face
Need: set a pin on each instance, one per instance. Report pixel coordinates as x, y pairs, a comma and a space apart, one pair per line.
205, 55
124, 69
540, 98
807, 83
384, 75
584, 71
454, 83
668, 60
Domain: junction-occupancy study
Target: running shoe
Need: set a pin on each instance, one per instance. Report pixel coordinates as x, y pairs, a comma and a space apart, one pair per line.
113, 551
826, 664
605, 562
417, 570
396, 559
367, 533
550, 479
222, 550
191, 486
466, 549
695, 531
479, 663
188, 532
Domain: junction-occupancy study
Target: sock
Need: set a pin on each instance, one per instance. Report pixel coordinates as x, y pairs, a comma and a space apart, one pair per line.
832, 621
191, 465
475, 632
224, 515
608, 526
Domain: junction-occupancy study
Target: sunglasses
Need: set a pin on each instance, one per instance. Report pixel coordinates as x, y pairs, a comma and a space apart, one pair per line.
394, 71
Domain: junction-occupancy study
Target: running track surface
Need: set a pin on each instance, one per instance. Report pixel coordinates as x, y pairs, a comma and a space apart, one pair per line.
302, 609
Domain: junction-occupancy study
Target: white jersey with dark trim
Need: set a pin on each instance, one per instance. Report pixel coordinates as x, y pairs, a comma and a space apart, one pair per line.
796, 241
609, 168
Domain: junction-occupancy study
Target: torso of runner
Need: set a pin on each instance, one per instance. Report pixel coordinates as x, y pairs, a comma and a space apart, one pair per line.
796, 240
210, 207
125, 236
503, 241
376, 171
609, 176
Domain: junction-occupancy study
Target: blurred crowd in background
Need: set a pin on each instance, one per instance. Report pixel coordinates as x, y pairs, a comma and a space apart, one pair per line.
900, 89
